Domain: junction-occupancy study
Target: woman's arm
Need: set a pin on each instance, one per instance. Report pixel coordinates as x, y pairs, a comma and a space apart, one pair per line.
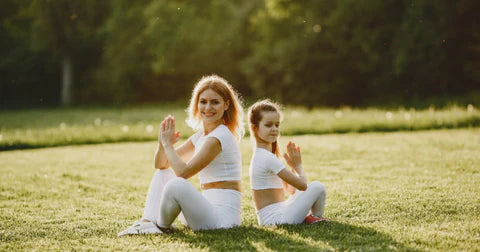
185, 151
210, 149
160, 160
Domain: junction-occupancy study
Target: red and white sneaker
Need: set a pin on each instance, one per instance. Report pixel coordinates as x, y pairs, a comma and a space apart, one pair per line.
310, 219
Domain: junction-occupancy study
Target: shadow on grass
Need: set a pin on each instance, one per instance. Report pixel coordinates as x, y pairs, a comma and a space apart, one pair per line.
324, 236
343, 236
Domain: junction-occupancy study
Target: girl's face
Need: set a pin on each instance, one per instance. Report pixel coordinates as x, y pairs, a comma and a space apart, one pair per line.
211, 106
269, 127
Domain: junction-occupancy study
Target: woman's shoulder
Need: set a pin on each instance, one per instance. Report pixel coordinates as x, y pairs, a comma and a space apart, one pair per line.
221, 131
224, 136
221, 128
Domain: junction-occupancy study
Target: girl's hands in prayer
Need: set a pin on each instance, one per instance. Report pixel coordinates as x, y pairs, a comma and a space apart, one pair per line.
168, 136
294, 157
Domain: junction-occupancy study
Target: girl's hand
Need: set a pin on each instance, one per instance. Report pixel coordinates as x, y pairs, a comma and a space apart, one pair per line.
293, 157
168, 136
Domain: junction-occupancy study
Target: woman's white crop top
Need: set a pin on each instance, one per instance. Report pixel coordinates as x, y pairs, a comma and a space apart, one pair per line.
264, 168
227, 165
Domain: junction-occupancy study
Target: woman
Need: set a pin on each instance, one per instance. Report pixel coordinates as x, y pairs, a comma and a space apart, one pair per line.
270, 179
216, 113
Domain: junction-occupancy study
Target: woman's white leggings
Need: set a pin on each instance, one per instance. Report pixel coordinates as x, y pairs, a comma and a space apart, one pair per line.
169, 196
296, 207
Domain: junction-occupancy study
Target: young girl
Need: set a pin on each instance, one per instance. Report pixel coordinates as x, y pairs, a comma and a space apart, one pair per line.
216, 113
269, 178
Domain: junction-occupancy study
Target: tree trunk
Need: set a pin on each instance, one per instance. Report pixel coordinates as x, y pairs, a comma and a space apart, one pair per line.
67, 81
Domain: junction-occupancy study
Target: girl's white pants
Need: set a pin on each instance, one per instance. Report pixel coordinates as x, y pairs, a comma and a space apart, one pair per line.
296, 207
169, 196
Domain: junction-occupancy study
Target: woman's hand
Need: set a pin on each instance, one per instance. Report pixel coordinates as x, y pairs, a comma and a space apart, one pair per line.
294, 157
168, 136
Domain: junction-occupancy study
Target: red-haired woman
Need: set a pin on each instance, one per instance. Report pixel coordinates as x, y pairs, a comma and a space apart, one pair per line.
216, 113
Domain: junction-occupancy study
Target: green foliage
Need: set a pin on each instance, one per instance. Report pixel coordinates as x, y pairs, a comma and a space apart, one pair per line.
413, 191
46, 127
312, 53
26, 76
40, 35
423, 36
353, 52
67, 26
72, 31
171, 45
125, 61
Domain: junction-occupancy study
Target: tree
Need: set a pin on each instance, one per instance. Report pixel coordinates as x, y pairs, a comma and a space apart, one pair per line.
70, 30
26, 76
355, 52
156, 50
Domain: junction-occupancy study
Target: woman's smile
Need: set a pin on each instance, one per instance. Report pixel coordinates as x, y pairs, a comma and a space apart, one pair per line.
208, 114
211, 106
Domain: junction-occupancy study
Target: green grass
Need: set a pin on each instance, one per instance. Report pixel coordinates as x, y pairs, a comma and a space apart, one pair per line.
385, 191
37, 128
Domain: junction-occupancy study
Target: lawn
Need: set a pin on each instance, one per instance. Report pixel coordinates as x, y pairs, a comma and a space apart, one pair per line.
24, 129
385, 191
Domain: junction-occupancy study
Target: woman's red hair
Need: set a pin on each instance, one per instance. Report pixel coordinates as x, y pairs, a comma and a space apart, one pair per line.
233, 116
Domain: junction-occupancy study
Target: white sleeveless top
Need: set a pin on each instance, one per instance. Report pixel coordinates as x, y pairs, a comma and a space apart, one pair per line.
264, 168
227, 165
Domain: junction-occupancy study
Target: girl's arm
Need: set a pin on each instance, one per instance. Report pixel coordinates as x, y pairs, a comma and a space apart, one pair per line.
210, 149
288, 188
292, 181
296, 179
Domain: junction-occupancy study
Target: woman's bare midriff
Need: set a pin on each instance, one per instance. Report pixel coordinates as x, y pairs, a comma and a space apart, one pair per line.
263, 198
232, 185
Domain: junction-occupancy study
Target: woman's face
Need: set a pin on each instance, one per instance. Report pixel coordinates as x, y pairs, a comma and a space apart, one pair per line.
211, 106
269, 127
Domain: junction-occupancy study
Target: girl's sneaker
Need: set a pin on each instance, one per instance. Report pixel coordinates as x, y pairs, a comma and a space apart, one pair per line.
140, 227
310, 219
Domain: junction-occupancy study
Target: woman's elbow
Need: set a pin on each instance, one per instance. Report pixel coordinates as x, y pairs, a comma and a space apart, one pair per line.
183, 174
160, 166
302, 187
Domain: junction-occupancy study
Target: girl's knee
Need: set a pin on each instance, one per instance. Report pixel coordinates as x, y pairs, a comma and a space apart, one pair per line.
317, 186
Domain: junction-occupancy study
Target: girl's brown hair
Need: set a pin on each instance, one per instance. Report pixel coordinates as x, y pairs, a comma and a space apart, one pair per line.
232, 117
255, 116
